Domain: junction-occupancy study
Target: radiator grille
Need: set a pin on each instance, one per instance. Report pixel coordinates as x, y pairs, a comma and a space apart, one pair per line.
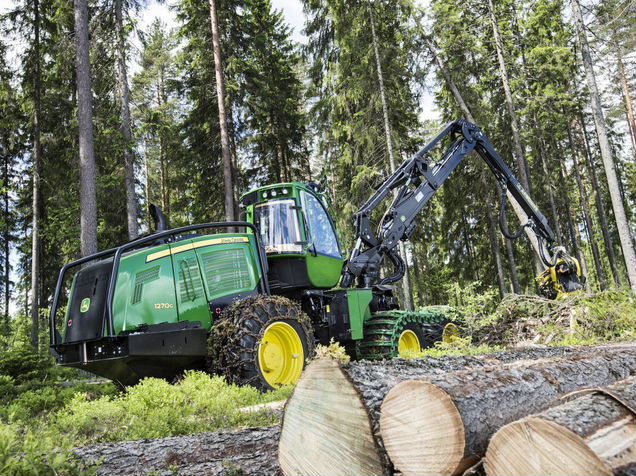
227, 271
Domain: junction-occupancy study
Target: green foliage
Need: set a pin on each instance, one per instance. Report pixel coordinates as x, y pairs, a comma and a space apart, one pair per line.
25, 451
333, 350
154, 408
36, 399
458, 347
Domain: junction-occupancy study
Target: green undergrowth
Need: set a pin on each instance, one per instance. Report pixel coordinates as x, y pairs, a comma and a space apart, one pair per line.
579, 319
155, 408
528, 320
40, 427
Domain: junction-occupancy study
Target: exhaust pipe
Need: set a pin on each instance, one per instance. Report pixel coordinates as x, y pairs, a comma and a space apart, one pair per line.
161, 222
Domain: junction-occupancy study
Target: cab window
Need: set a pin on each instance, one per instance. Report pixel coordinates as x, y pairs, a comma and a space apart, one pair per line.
321, 230
277, 221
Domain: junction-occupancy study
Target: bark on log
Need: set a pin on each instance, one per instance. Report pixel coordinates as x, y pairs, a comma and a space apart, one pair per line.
331, 423
245, 452
593, 435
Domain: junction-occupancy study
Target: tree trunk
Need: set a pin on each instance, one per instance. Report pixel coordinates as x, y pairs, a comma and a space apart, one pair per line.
518, 149
470, 254
37, 161
568, 211
406, 282
147, 185
584, 266
514, 121
627, 97
512, 263
124, 100
552, 201
251, 451
594, 434
88, 198
7, 250
600, 207
220, 92
449, 80
339, 410
421, 301
629, 254
496, 250
163, 166
600, 272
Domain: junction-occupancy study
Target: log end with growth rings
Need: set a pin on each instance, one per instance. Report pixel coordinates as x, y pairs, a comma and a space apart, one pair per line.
326, 429
538, 446
422, 429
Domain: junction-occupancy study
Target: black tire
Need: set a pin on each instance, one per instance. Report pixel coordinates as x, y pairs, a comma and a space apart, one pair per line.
434, 332
235, 338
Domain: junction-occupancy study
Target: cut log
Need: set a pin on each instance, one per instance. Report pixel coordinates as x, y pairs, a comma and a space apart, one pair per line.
442, 425
223, 453
594, 434
331, 423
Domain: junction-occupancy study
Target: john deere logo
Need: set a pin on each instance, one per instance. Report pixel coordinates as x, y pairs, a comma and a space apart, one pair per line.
85, 304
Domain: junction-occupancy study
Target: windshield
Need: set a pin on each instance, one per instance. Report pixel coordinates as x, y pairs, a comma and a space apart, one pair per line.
277, 220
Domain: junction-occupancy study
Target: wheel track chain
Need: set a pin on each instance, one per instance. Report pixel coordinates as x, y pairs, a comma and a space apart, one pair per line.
382, 331
235, 337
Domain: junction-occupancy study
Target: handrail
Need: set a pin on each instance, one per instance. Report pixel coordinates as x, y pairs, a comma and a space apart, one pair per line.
109, 326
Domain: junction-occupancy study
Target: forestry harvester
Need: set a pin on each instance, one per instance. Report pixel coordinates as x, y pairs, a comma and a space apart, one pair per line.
250, 299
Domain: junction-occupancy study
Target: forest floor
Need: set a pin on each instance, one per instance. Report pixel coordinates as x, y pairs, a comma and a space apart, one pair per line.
44, 419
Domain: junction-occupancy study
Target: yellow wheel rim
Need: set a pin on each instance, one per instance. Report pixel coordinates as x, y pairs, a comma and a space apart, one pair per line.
280, 355
450, 333
408, 344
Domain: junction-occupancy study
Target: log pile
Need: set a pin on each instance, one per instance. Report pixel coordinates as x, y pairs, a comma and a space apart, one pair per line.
438, 414
594, 434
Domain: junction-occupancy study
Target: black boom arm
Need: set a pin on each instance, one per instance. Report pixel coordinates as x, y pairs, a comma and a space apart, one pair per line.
413, 184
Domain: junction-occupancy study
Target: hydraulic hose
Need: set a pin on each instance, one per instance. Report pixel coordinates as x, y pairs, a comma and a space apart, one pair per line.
502, 218
398, 262
542, 250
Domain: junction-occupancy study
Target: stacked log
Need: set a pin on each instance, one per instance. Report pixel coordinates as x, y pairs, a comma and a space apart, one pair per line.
594, 434
438, 414
251, 451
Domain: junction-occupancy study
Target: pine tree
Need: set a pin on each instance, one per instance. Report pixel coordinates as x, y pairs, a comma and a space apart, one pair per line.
88, 174
223, 120
10, 149
156, 110
271, 95
629, 254
123, 93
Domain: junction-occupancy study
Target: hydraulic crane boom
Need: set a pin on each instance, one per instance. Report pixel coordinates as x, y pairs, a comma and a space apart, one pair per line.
415, 182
